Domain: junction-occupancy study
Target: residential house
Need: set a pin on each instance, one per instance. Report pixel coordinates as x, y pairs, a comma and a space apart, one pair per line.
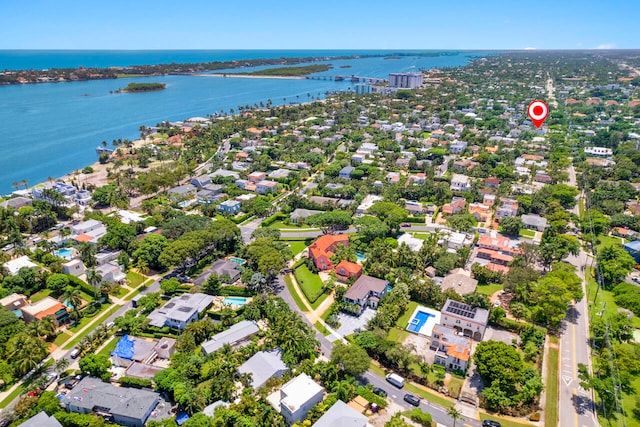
452, 351
452, 239
463, 165
237, 335
393, 177
535, 222
179, 311
256, 177
414, 208
279, 173
182, 192
341, 415
47, 307
296, 398
489, 199
543, 177
229, 206
346, 270
413, 243
457, 205
262, 366
223, 173
41, 419
367, 291
75, 267
321, 250
201, 181
507, 208
479, 211
111, 273
460, 182
345, 172
598, 151
266, 186
300, 215
500, 244
16, 203
460, 281
14, 302
419, 178
126, 406
220, 268
492, 182
207, 197
471, 321
13, 266
457, 147
367, 202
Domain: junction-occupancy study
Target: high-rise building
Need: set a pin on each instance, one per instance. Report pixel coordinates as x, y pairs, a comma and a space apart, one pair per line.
405, 80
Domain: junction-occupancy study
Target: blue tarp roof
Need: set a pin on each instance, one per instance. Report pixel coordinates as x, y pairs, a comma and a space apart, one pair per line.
634, 246
181, 418
124, 348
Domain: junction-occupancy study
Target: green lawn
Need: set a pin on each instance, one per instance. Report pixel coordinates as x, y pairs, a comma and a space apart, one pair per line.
134, 279
605, 298
310, 283
454, 386
15, 393
39, 296
61, 338
502, 421
78, 337
608, 241
551, 409
320, 327
297, 247
629, 403
111, 345
397, 335
132, 294
489, 289
320, 300
403, 320
527, 233
280, 224
421, 236
430, 396
294, 294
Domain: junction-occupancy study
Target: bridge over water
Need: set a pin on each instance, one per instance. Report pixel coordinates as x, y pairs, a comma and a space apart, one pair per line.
352, 78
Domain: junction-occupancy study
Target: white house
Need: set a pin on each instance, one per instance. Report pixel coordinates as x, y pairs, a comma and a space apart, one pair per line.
297, 397
460, 182
15, 265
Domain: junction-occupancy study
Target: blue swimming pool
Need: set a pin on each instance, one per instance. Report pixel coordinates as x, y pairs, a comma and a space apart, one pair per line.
238, 261
361, 256
235, 301
418, 321
66, 253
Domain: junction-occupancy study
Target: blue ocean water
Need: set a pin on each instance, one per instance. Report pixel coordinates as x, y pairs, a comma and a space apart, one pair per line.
50, 129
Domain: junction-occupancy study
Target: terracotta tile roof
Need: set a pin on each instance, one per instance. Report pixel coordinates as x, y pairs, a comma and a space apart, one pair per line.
497, 268
83, 238
350, 267
459, 352
322, 249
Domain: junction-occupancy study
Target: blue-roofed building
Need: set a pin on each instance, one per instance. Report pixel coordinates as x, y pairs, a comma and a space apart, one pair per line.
633, 248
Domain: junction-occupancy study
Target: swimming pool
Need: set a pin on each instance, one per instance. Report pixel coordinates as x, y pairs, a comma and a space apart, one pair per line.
238, 261
361, 257
235, 301
418, 321
66, 253
423, 320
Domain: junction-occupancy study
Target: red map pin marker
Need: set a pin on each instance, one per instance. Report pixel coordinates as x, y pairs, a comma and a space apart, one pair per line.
538, 112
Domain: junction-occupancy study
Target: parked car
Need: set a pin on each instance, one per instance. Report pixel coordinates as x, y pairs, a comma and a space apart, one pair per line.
75, 353
405, 224
380, 392
491, 423
636, 279
411, 399
396, 380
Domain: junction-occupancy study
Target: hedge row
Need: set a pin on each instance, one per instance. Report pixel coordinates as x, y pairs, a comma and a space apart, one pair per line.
135, 382
515, 326
419, 219
273, 218
235, 291
239, 219
371, 396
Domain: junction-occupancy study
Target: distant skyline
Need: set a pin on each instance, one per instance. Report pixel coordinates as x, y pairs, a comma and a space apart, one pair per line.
329, 24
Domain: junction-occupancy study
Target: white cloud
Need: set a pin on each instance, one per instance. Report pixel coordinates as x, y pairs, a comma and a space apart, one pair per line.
606, 46
530, 48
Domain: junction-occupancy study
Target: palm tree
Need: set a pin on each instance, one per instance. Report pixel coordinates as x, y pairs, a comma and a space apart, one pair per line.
454, 414
61, 365
44, 328
88, 254
94, 278
72, 296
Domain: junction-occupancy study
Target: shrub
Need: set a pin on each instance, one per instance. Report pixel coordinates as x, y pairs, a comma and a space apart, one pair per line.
422, 418
371, 396
135, 382
535, 416
235, 291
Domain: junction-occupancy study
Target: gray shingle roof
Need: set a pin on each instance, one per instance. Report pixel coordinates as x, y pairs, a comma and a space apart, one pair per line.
91, 392
235, 334
41, 419
180, 308
262, 366
341, 415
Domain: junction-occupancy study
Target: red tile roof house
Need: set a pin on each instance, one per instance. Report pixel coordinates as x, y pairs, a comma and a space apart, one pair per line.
321, 250
457, 205
346, 270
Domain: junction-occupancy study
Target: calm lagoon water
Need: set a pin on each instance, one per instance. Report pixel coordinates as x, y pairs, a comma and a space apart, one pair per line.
48, 130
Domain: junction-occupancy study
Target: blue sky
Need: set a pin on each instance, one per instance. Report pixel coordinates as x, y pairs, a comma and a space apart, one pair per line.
324, 24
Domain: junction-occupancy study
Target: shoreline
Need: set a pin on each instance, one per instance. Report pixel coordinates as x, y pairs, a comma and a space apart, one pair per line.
250, 76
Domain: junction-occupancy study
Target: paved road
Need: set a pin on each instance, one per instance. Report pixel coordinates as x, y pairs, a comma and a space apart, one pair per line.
316, 233
396, 395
